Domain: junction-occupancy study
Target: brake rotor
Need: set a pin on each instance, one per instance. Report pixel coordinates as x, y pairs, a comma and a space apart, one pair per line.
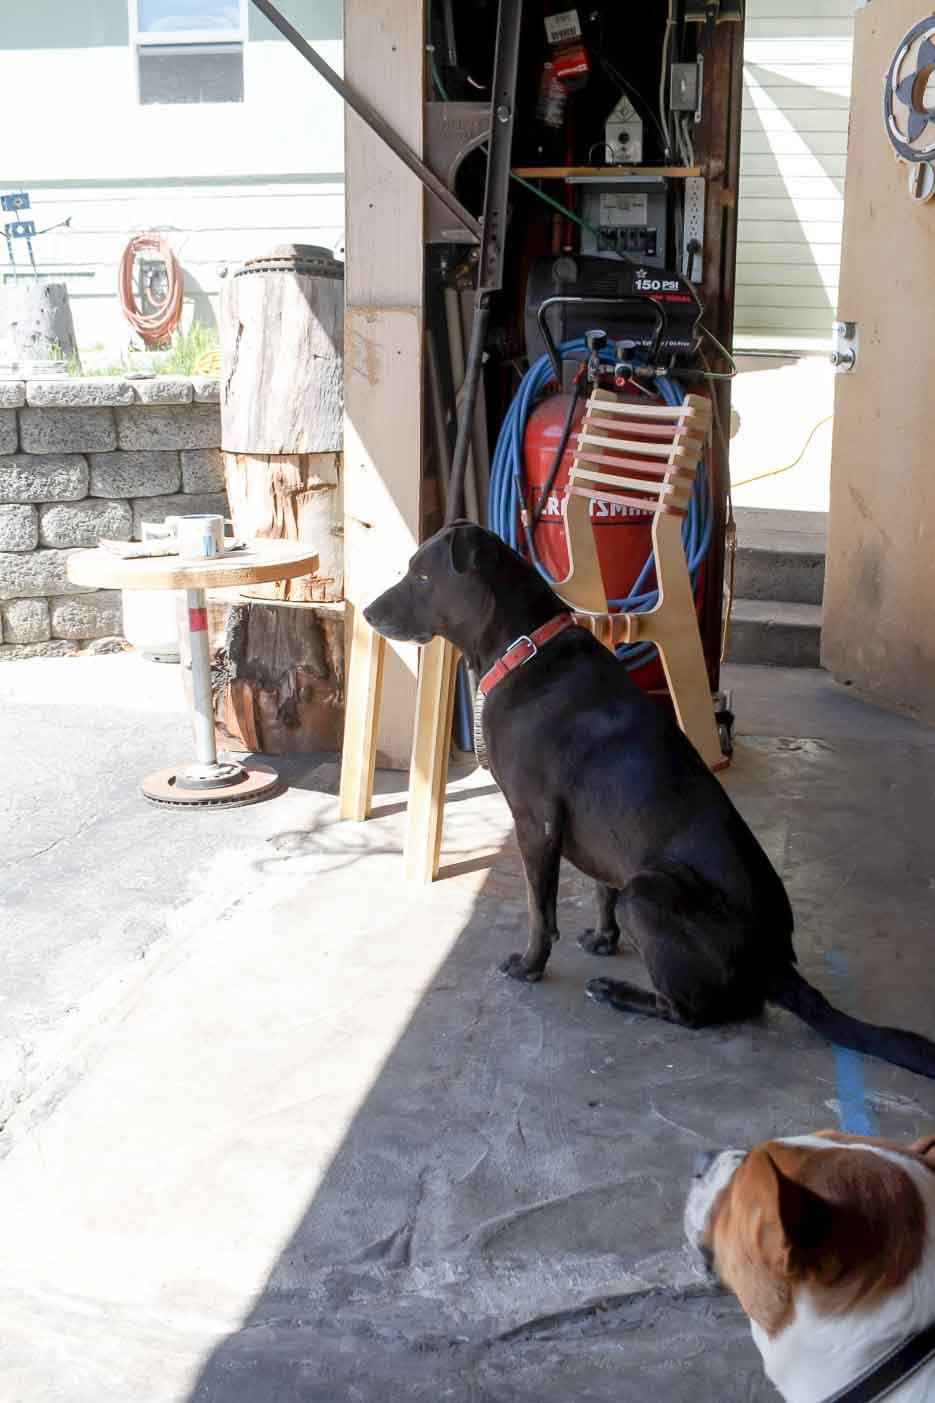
259, 782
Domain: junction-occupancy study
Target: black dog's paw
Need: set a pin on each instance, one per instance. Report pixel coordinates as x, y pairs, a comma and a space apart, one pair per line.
515, 966
600, 990
597, 943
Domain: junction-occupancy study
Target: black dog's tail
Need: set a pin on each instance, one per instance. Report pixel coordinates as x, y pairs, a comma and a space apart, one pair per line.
910, 1050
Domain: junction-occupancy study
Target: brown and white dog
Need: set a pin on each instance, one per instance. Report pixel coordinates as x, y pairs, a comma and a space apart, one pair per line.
828, 1243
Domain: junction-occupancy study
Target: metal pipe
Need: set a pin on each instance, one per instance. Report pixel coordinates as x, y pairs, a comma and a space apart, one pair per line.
202, 708
437, 409
456, 360
370, 116
472, 374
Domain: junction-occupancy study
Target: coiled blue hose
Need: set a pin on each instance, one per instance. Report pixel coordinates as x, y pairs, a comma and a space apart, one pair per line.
507, 492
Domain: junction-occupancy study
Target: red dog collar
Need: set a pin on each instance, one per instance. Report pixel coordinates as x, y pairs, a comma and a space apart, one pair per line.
524, 648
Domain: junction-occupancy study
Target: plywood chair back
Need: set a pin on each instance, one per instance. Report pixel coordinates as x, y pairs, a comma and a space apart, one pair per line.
644, 457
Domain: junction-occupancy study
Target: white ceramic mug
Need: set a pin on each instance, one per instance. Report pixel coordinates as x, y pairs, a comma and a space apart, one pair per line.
200, 537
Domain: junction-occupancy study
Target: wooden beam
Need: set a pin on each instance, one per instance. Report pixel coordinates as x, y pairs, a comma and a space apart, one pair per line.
717, 142
384, 53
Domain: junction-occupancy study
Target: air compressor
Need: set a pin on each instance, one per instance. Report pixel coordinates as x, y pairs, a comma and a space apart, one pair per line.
649, 319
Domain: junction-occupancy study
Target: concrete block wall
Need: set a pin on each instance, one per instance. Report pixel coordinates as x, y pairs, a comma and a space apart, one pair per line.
86, 458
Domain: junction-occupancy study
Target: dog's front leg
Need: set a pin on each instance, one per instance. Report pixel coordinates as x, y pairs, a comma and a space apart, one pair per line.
540, 844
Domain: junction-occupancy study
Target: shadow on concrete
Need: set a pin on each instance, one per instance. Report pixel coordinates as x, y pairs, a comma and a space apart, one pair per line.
502, 1218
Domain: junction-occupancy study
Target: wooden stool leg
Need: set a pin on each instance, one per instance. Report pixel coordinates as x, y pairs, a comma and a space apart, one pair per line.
684, 665
428, 774
361, 719
673, 627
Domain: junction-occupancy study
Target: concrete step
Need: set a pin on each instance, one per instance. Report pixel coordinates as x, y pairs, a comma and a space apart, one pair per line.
780, 555
775, 632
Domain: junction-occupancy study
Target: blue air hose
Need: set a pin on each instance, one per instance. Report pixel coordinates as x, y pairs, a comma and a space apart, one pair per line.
507, 492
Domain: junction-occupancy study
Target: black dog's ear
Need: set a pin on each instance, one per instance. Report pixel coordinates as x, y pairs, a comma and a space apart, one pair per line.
467, 546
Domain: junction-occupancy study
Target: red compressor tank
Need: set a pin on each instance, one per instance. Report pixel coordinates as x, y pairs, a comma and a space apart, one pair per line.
623, 535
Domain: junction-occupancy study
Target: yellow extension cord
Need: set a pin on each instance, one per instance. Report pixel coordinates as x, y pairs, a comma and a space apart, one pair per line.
775, 472
730, 535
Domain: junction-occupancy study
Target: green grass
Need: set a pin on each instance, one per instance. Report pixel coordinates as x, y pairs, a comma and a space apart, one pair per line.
179, 358
187, 349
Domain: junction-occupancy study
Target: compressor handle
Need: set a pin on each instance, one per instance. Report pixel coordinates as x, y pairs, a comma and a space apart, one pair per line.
571, 301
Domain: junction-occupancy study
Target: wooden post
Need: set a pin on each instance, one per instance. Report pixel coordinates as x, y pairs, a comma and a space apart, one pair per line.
717, 142
384, 55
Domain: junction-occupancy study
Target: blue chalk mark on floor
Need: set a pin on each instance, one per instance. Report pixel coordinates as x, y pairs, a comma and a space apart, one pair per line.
854, 1114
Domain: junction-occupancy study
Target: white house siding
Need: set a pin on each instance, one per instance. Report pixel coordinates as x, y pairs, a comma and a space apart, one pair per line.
797, 76
223, 181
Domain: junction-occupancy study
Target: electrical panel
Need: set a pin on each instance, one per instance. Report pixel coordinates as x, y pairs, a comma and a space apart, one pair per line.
627, 214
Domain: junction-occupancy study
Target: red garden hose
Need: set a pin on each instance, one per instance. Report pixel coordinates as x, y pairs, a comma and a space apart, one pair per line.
156, 328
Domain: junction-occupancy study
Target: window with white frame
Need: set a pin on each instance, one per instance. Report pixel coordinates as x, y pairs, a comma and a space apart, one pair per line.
189, 50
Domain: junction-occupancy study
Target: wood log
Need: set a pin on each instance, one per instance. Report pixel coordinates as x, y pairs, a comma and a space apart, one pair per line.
282, 354
277, 672
41, 324
293, 497
282, 357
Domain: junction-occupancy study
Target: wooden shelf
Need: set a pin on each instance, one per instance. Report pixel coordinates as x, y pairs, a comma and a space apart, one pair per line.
564, 172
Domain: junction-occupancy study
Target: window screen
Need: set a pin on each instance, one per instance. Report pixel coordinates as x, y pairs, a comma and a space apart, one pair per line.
201, 73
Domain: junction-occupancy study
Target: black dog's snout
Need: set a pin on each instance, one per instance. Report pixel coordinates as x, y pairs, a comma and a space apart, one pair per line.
703, 1162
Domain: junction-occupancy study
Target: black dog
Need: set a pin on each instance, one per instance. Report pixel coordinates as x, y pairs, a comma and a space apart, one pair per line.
595, 772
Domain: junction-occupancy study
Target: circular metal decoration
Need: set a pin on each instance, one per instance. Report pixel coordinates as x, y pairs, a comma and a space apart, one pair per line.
910, 124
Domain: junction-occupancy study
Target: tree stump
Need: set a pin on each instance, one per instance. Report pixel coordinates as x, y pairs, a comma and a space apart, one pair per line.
295, 497
282, 351
41, 324
277, 656
277, 673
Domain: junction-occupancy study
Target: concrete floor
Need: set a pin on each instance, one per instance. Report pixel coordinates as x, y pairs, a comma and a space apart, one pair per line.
276, 1129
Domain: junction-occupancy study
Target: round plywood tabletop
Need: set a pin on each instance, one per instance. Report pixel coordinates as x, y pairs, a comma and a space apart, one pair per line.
260, 562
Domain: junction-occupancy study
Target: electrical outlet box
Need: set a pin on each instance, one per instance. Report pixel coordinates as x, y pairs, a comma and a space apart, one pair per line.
623, 135
11, 203
693, 229
683, 88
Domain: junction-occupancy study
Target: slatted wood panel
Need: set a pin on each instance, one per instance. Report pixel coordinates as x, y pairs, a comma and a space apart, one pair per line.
797, 76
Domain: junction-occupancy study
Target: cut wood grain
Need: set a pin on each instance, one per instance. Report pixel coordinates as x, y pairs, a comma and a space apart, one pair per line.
292, 497
282, 354
277, 675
